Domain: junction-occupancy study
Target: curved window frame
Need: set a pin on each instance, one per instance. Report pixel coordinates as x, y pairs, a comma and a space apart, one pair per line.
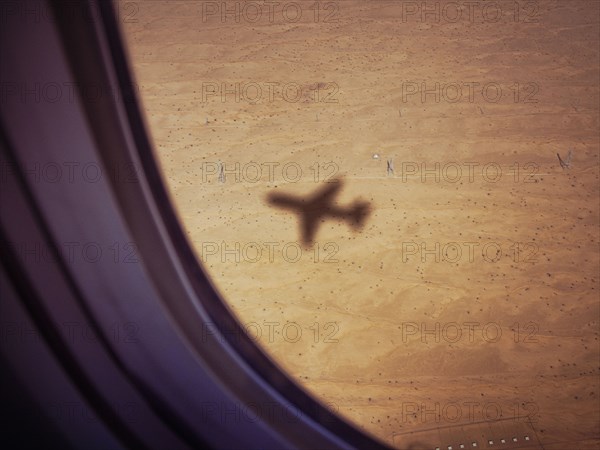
171, 292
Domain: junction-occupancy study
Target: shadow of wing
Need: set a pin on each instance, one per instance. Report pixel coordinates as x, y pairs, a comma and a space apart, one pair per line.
284, 201
325, 195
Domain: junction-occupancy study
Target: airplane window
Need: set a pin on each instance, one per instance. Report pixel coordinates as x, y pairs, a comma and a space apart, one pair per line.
398, 201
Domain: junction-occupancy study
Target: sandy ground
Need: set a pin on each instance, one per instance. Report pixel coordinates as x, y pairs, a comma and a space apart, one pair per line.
466, 309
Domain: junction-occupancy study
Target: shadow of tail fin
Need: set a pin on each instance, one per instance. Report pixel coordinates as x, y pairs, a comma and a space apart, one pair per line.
359, 214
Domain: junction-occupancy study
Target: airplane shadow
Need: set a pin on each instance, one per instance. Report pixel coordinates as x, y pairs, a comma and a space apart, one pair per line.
314, 209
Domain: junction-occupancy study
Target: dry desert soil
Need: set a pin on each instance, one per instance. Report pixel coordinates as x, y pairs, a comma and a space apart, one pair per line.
466, 309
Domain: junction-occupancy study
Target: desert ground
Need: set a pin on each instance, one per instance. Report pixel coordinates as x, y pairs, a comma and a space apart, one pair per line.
466, 309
